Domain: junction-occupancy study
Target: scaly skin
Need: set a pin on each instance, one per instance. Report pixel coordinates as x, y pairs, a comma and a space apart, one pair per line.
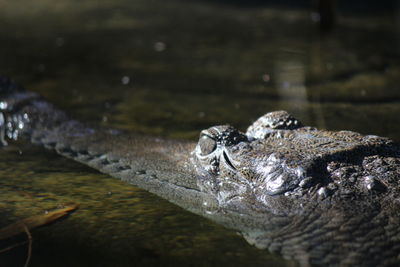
318, 197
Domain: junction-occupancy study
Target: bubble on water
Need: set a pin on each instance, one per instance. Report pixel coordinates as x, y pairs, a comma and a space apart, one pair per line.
159, 46
266, 78
125, 80
363, 92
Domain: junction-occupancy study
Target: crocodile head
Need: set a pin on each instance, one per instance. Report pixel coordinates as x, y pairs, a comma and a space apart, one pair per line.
280, 166
240, 169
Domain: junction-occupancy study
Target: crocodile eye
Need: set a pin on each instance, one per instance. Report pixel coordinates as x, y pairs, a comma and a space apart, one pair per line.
207, 145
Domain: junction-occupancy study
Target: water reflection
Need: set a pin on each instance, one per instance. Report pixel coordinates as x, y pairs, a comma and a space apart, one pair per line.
290, 76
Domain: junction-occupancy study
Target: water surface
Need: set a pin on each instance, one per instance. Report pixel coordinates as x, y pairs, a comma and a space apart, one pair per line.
173, 68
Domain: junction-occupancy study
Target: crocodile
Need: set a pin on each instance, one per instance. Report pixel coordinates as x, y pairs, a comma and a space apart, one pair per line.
314, 196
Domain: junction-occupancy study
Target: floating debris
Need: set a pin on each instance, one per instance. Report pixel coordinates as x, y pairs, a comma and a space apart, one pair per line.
35, 221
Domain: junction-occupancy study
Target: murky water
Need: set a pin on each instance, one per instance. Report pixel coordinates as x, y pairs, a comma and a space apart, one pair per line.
173, 68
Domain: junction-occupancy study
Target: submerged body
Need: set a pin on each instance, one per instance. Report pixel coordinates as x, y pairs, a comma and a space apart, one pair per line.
315, 196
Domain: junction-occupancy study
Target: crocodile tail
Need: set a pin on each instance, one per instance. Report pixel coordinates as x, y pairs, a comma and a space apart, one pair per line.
25, 114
